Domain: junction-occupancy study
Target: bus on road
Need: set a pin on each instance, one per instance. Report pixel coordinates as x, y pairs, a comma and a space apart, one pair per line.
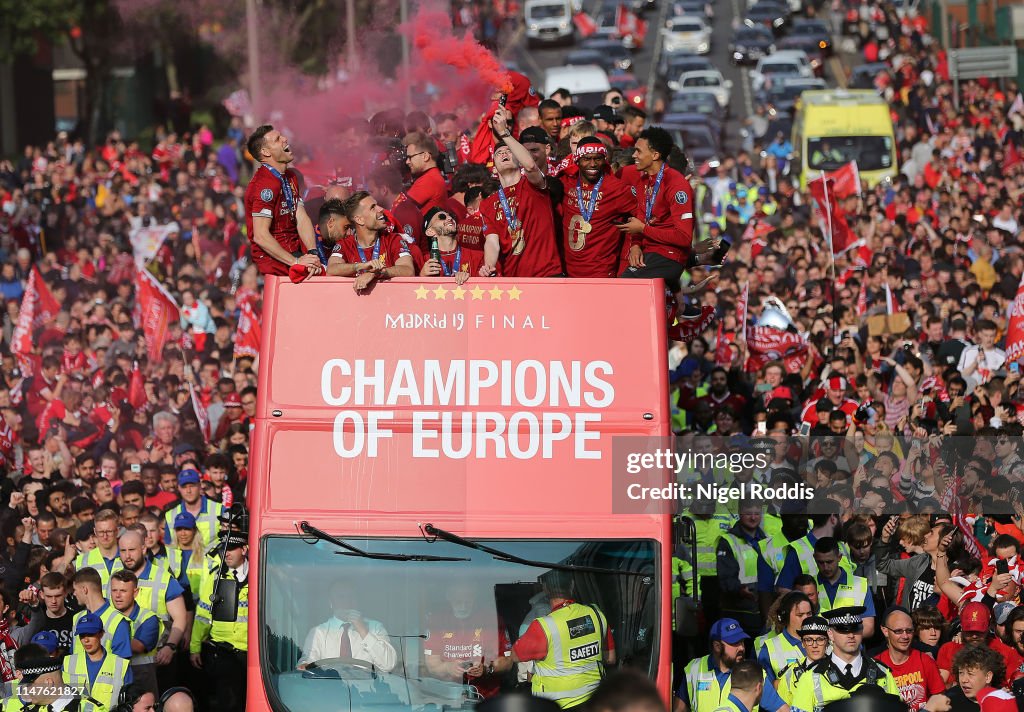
423, 456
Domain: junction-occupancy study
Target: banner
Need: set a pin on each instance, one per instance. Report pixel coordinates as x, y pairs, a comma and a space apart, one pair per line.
766, 343
202, 417
688, 329
249, 333
845, 180
146, 241
156, 311
1015, 332
47, 307
38, 308
830, 216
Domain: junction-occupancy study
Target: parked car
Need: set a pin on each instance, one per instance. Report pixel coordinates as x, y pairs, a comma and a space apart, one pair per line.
812, 30
618, 54
810, 47
783, 95
710, 80
693, 8
548, 21
789, 63
634, 92
690, 35
691, 119
749, 44
770, 14
587, 83
672, 65
698, 141
696, 101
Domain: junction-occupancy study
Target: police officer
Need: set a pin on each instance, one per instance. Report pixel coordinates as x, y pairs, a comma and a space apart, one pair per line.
570, 646
747, 687
220, 647
847, 669
743, 574
814, 640
709, 679
40, 673
99, 673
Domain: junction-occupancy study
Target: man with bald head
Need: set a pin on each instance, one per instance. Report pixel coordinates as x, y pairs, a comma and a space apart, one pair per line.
528, 116
161, 593
180, 700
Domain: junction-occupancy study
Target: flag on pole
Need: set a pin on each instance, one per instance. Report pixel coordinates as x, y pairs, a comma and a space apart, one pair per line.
862, 298
249, 333
38, 308
845, 180
156, 311
585, 24
146, 241
199, 409
891, 307
1015, 332
831, 219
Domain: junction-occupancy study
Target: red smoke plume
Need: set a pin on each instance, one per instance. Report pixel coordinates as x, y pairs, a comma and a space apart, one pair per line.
436, 43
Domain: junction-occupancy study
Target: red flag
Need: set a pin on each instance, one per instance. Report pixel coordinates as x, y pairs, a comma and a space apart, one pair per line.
157, 309
249, 334
137, 388
723, 354
845, 180
201, 415
6, 444
1012, 157
21, 339
891, 307
689, 329
862, 298
765, 343
585, 24
628, 24
1015, 332
46, 307
830, 216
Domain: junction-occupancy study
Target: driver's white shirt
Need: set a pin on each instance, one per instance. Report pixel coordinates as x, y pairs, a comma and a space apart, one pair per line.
324, 641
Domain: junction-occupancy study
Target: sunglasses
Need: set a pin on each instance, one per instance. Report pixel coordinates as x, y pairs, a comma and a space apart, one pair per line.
442, 216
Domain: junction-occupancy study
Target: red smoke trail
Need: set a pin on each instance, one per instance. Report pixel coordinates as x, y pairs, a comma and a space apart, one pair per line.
437, 44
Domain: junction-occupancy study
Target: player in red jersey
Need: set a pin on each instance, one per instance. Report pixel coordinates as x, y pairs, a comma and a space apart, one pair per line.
373, 253
519, 220
280, 232
660, 243
595, 203
456, 261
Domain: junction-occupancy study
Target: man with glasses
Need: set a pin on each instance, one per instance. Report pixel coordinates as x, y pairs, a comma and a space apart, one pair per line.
846, 670
455, 261
105, 558
428, 189
916, 674
814, 639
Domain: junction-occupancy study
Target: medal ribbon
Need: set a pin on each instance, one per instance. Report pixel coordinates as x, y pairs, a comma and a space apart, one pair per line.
286, 187
588, 212
376, 251
652, 195
456, 266
510, 216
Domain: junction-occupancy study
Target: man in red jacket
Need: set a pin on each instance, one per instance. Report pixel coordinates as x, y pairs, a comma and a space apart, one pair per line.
659, 245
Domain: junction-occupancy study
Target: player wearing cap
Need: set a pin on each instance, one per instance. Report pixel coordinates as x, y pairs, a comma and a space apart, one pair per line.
708, 680
814, 642
219, 647
659, 244
99, 673
595, 202
916, 674
846, 670
40, 682
519, 222
204, 510
456, 262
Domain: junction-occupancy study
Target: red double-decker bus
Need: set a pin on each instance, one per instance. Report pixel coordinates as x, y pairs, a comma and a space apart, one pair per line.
422, 455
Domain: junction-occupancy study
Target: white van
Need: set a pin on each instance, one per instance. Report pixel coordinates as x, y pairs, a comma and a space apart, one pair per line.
586, 82
548, 21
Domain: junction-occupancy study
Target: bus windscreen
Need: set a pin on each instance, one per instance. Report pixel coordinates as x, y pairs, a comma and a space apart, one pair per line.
872, 153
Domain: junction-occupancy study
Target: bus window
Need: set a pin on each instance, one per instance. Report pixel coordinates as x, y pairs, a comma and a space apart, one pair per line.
829, 153
439, 618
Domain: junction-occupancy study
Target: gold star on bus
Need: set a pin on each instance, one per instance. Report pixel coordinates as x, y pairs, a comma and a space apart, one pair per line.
477, 293
440, 292
514, 293
421, 293
459, 293
495, 294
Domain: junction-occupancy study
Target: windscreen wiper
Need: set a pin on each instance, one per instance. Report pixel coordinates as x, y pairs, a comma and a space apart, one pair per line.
349, 550
431, 533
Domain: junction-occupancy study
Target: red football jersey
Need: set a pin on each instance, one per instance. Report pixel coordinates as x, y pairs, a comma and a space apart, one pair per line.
595, 253
669, 232
532, 250
476, 638
471, 232
392, 247
462, 259
265, 198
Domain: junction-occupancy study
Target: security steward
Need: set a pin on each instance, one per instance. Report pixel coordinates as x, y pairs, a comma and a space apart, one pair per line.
219, 647
814, 639
847, 669
39, 687
570, 646
747, 687
205, 510
709, 679
743, 574
99, 673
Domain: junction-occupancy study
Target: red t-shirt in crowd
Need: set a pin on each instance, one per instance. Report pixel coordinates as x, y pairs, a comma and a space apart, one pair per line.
533, 251
161, 499
462, 259
392, 246
265, 198
595, 253
474, 639
992, 700
429, 190
1010, 656
408, 218
918, 678
669, 232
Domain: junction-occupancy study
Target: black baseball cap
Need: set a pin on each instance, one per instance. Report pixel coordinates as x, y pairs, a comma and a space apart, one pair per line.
534, 134
604, 113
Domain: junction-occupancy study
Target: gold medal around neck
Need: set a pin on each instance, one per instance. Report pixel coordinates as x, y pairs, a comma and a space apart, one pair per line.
578, 230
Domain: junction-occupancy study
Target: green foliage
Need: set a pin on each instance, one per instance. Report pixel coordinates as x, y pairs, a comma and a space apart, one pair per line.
24, 23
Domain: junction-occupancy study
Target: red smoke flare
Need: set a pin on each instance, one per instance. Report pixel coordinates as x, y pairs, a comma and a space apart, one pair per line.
433, 37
